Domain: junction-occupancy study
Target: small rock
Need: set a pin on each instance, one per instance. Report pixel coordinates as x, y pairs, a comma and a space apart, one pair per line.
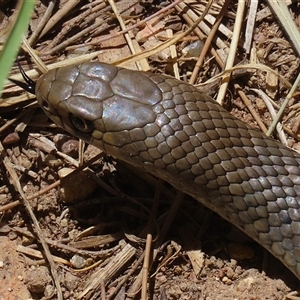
52, 161
12, 235
64, 222
49, 291
77, 188
70, 148
78, 261
11, 138
245, 284
230, 273
71, 281
37, 279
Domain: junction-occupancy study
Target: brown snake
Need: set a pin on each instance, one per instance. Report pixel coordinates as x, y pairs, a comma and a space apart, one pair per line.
176, 132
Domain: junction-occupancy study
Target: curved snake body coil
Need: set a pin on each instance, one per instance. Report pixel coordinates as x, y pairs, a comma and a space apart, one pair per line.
183, 136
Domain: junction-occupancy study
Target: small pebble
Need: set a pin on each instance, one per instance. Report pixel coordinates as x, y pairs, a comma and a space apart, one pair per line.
78, 261
11, 138
79, 187
70, 148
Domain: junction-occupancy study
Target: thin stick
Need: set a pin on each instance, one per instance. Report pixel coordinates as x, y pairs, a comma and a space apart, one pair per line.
149, 240
232, 51
208, 42
279, 7
37, 228
283, 106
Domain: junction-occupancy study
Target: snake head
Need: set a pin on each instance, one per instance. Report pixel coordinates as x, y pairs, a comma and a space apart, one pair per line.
99, 103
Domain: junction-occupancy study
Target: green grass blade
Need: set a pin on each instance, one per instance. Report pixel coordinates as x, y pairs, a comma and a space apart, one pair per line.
13, 42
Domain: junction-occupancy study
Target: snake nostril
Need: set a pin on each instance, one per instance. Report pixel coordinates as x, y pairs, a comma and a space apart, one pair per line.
81, 124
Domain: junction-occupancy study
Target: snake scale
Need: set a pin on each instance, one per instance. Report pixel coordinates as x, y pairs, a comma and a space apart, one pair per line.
177, 133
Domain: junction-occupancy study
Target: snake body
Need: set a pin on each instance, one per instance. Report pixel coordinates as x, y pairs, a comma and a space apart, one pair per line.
174, 131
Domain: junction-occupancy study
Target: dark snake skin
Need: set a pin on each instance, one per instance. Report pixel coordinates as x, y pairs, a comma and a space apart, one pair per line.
183, 136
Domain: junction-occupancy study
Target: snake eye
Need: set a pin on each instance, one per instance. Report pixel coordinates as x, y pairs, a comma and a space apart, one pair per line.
81, 124
45, 105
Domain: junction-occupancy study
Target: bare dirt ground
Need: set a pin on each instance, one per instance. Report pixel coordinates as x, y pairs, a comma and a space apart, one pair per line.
97, 224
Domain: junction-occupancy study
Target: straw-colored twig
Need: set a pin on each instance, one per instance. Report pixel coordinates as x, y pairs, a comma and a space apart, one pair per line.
233, 48
177, 37
208, 42
38, 230
280, 9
